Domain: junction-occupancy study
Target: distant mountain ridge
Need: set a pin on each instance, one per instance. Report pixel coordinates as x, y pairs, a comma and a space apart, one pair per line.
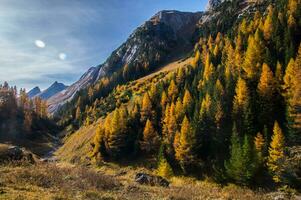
167, 34
33, 92
48, 93
67, 94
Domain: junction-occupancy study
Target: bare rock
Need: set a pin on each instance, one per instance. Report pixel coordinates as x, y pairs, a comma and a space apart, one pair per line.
15, 153
147, 179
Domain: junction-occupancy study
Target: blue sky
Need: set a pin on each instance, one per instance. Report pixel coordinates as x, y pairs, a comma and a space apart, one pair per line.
42, 41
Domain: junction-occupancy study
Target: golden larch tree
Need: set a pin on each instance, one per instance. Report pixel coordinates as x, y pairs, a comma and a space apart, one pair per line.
146, 108
276, 153
187, 101
242, 96
150, 137
172, 90
184, 147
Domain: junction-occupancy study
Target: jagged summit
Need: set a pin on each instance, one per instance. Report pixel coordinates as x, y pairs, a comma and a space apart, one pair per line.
34, 91
52, 90
48, 93
175, 19
212, 4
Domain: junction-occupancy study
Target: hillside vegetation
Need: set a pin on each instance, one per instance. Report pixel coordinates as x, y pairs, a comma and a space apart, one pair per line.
24, 121
68, 182
222, 123
232, 114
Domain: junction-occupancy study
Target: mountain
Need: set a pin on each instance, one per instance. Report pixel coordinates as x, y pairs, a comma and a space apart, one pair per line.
165, 36
67, 94
52, 90
33, 92
48, 93
229, 111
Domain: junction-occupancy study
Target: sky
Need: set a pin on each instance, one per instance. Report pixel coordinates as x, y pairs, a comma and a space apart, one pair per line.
42, 41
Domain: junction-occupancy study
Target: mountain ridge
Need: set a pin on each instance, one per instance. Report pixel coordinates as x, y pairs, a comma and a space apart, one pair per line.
52, 90
164, 35
34, 91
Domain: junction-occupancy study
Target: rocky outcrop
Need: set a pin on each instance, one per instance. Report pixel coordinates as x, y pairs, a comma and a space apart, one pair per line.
212, 4
147, 179
15, 154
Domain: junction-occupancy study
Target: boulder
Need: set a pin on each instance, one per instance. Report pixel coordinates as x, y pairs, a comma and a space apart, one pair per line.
147, 179
15, 153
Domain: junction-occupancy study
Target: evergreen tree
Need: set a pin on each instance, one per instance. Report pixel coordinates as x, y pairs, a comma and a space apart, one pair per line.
146, 108
98, 142
179, 111
187, 102
253, 58
116, 130
268, 27
172, 90
164, 100
184, 151
78, 116
206, 106
164, 169
248, 162
259, 143
266, 89
292, 82
27, 124
234, 165
242, 96
151, 139
170, 127
289, 78
276, 153
242, 113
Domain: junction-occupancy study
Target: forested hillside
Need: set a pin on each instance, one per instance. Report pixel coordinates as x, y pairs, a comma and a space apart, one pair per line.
232, 114
24, 121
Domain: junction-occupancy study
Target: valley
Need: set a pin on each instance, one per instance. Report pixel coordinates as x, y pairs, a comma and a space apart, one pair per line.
193, 105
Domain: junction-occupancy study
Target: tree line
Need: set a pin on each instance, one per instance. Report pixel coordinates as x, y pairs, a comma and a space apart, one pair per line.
19, 111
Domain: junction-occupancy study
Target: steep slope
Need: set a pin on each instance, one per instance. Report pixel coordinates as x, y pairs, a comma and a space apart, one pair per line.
77, 147
165, 36
222, 15
67, 94
33, 92
225, 96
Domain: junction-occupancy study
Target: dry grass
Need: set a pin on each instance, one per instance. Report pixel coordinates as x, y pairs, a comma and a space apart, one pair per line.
49, 181
168, 68
77, 146
66, 181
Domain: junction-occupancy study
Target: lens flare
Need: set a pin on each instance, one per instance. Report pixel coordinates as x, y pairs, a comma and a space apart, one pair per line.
62, 56
40, 44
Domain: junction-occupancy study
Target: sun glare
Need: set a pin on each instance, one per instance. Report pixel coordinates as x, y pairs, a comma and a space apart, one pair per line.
40, 44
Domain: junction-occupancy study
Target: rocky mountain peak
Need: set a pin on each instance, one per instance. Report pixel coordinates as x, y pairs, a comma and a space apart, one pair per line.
165, 35
212, 4
175, 19
34, 91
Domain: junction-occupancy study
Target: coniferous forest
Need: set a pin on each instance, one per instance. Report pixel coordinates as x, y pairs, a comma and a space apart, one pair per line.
230, 112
